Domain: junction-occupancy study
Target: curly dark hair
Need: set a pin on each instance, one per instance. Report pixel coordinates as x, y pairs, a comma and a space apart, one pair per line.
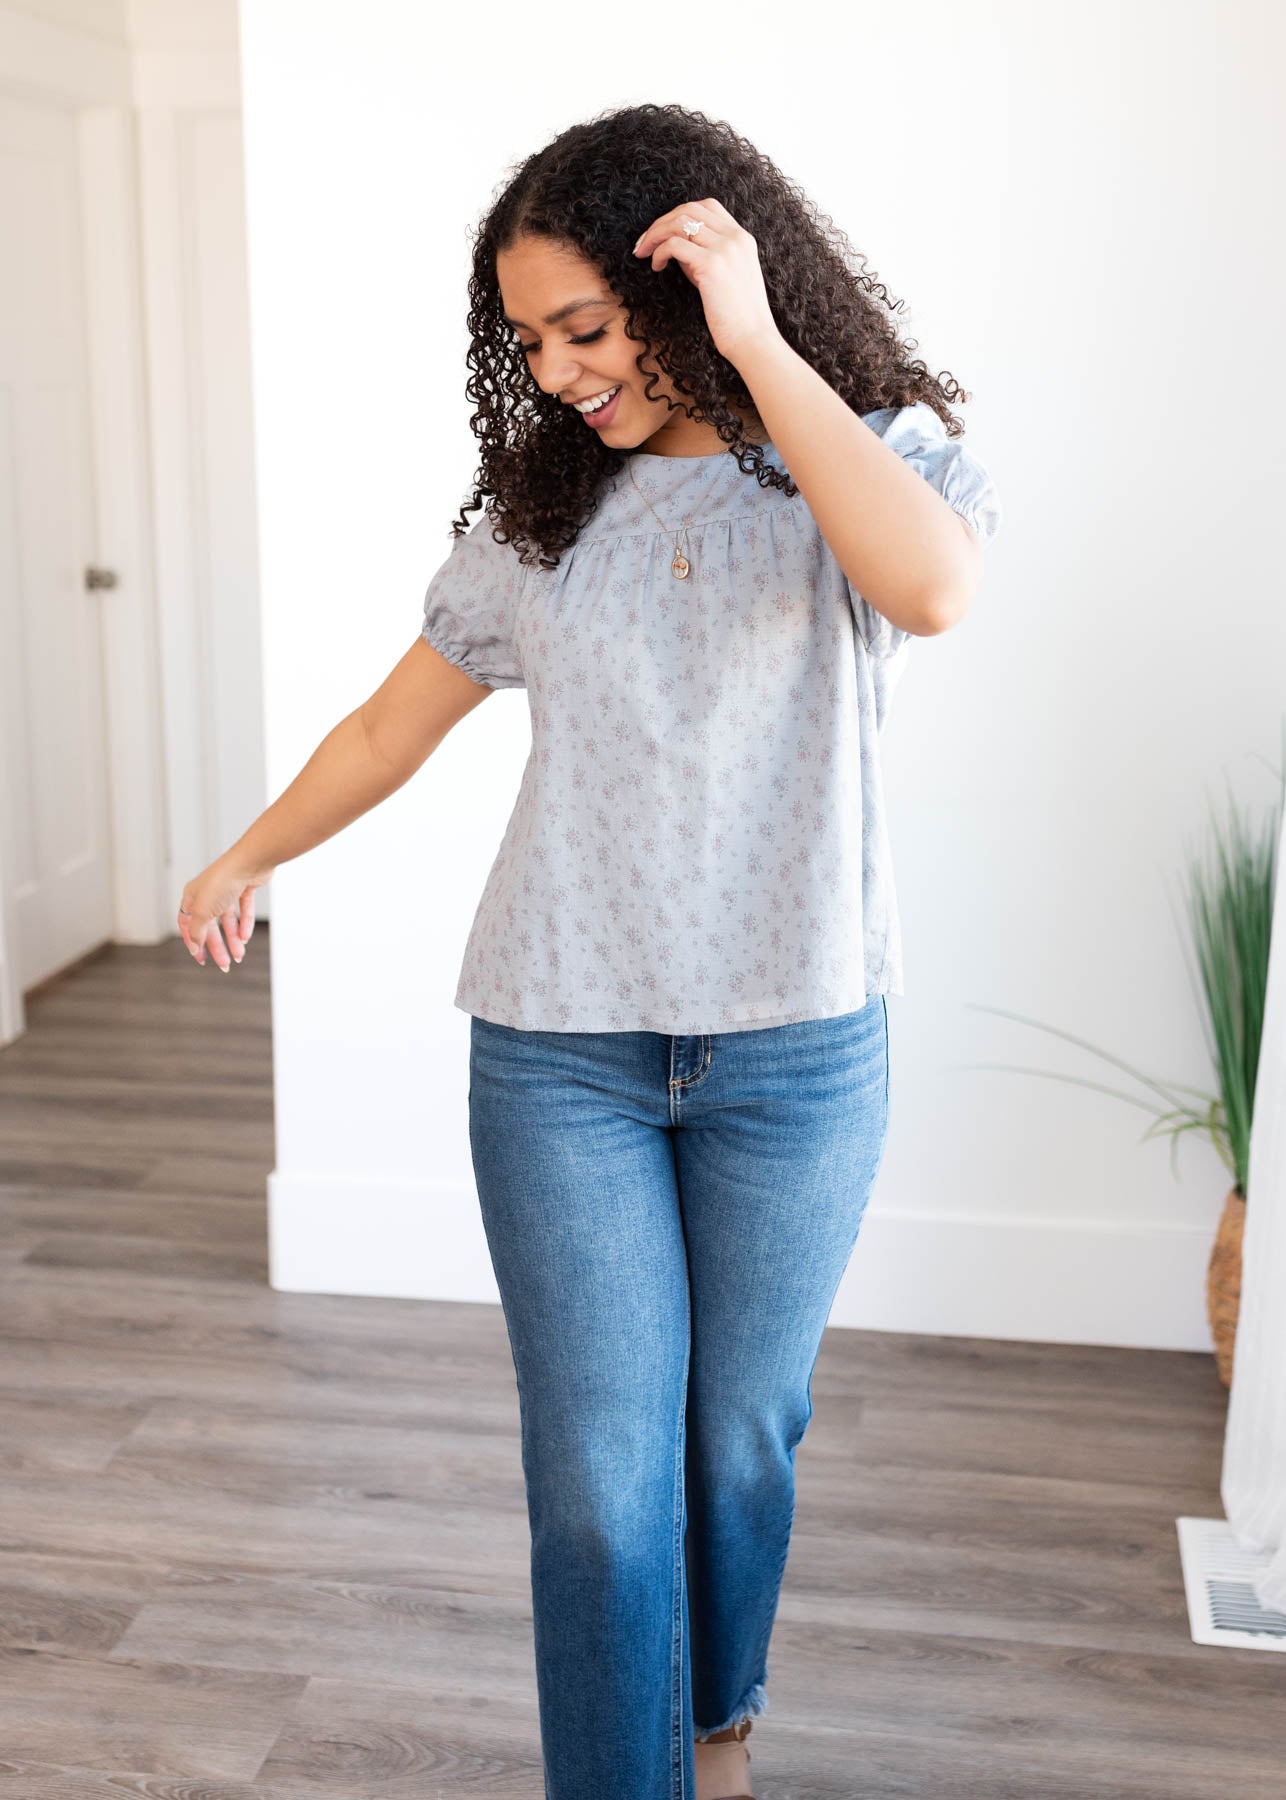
595, 188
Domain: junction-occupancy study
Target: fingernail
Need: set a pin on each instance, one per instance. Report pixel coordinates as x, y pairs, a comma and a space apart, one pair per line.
639, 241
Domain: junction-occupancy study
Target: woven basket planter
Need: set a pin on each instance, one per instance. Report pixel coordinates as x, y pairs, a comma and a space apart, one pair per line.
1223, 1282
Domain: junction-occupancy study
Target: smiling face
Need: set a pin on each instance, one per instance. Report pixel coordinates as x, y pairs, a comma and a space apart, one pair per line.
571, 326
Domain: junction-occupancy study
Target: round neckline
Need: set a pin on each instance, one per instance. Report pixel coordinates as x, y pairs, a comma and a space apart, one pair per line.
709, 456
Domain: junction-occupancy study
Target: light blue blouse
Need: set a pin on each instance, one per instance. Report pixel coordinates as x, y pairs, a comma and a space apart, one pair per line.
699, 840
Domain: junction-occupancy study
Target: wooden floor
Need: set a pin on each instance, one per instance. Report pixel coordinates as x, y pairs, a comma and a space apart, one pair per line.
274, 1545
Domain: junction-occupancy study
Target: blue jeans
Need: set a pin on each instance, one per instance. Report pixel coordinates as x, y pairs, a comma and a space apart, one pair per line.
668, 1219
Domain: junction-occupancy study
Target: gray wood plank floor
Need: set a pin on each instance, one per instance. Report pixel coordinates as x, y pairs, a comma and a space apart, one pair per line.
259, 1546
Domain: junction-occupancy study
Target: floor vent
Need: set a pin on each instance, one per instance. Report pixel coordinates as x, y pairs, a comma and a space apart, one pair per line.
1217, 1577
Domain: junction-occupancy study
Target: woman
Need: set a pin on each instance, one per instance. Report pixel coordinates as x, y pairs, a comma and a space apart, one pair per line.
720, 500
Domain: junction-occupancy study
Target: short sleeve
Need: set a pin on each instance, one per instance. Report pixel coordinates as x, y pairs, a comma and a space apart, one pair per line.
950, 465
471, 607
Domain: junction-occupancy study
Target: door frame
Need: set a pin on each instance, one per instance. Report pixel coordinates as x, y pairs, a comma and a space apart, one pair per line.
151, 678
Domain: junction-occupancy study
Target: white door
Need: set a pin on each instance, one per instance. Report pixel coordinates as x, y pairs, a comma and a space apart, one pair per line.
55, 847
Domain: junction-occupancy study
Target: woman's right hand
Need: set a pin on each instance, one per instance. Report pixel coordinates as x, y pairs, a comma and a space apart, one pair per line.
223, 895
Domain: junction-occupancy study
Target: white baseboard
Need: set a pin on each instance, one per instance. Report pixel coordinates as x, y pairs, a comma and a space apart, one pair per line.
1057, 1281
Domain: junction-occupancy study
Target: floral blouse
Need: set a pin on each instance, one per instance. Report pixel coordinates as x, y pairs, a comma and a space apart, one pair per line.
699, 840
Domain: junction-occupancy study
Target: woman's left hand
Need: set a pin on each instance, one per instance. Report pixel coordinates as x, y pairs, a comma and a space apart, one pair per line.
722, 263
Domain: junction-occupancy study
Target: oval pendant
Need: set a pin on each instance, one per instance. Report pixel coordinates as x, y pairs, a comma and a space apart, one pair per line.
680, 566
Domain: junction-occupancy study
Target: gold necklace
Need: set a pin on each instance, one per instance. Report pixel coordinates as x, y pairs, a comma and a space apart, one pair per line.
680, 565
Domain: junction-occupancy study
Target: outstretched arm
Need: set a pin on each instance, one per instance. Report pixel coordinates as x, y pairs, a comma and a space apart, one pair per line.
361, 761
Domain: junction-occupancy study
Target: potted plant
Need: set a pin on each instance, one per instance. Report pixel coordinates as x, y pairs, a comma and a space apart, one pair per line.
1230, 912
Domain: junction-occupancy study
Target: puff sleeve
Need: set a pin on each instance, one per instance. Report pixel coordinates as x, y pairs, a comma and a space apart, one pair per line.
920, 438
471, 607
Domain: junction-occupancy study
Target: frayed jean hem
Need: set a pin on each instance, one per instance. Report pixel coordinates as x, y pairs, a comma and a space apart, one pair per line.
755, 1703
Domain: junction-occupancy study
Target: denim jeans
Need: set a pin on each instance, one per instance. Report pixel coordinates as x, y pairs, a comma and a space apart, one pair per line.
669, 1219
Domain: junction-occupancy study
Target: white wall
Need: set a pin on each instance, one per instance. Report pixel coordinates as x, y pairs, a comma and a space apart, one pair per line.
1073, 206
186, 68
